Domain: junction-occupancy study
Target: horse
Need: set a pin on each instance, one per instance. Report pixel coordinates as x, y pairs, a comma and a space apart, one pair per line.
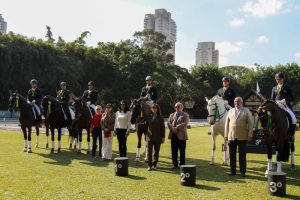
275, 129
83, 117
55, 117
217, 114
139, 111
27, 118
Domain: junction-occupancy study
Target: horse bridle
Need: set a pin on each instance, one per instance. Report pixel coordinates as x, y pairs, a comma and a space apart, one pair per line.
16, 103
216, 111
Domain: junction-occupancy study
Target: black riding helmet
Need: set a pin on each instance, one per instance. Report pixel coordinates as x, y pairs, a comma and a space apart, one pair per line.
33, 81
279, 75
225, 78
91, 83
63, 83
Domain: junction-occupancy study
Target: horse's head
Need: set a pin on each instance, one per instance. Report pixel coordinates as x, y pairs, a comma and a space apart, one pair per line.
79, 105
14, 101
264, 113
215, 106
135, 108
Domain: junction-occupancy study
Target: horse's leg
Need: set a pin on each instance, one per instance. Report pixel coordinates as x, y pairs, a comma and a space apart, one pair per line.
29, 140
80, 140
225, 152
71, 137
37, 132
25, 138
47, 136
138, 153
213, 136
52, 139
88, 141
269, 153
146, 144
292, 144
59, 139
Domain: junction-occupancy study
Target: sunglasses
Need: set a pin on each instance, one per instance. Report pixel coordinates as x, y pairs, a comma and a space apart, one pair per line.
122, 104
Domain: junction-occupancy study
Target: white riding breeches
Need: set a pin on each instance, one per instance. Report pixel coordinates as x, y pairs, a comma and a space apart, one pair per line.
37, 109
287, 109
150, 102
72, 113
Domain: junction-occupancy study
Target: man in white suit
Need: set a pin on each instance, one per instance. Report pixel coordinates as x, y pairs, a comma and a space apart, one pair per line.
238, 129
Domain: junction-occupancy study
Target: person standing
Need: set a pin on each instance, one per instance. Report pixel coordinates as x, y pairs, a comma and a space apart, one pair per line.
149, 92
177, 123
238, 129
122, 127
107, 124
227, 93
91, 96
96, 131
155, 135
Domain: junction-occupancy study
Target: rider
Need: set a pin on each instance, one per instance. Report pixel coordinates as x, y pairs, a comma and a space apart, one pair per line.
149, 92
227, 93
63, 96
34, 98
91, 96
283, 95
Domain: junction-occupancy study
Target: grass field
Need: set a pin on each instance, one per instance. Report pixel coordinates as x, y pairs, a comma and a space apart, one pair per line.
42, 175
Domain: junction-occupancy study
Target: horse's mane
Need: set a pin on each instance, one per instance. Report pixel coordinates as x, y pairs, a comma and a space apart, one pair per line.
51, 98
22, 97
269, 101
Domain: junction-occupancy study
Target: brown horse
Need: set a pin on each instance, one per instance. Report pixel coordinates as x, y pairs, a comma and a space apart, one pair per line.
139, 111
275, 128
26, 119
83, 117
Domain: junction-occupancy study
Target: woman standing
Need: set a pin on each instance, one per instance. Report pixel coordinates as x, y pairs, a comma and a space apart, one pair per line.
107, 124
122, 127
155, 135
96, 131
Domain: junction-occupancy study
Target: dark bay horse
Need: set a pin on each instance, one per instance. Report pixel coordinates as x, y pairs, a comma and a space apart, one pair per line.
83, 117
54, 116
275, 128
139, 111
26, 119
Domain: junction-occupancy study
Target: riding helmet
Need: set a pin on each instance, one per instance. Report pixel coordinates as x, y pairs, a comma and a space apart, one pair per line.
149, 78
91, 83
33, 81
225, 78
63, 84
279, 75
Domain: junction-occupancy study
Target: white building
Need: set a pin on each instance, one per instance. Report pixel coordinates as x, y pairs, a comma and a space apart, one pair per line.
162, 22
3, 25
207, 54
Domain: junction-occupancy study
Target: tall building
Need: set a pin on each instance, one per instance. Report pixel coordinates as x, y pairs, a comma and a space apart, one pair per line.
207, 54
162, 22
3, 25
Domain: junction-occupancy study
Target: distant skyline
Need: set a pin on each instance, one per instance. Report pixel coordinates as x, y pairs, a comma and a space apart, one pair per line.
265, 32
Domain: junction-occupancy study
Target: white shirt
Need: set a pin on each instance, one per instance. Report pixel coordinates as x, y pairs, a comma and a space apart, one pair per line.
122, 120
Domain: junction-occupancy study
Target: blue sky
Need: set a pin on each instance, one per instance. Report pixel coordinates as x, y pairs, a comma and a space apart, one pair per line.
266, 32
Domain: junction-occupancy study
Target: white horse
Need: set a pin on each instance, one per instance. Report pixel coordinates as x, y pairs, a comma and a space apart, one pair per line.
217, 114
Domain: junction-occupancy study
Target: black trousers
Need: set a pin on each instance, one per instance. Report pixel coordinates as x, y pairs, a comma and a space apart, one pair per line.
150, 147
97, 134
241, 145
176, 145
122, 139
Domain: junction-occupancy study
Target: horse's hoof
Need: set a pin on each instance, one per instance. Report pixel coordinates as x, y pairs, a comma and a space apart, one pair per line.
137, 160
25, 150
75, 147
70, 147
47, 146
29, 150
79, 151
36, 145
88, 152
224, 164
267, 173
146, 161
52, 150
58, 150
212, 164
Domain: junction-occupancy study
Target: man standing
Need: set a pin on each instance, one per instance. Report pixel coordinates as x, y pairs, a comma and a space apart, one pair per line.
149, 92
238, 129
227, 93
177, 123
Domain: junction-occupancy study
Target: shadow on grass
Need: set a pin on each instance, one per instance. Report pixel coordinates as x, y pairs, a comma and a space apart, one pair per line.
206, 187
133, 177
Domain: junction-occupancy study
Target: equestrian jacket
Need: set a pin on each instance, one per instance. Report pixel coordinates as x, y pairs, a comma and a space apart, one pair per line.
239, 124
151, 92
228, 95
90, 95
179, 121
63, 96
283, 92
34, 94
155, 128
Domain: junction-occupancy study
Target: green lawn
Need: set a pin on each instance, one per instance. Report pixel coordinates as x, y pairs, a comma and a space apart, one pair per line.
42, 175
